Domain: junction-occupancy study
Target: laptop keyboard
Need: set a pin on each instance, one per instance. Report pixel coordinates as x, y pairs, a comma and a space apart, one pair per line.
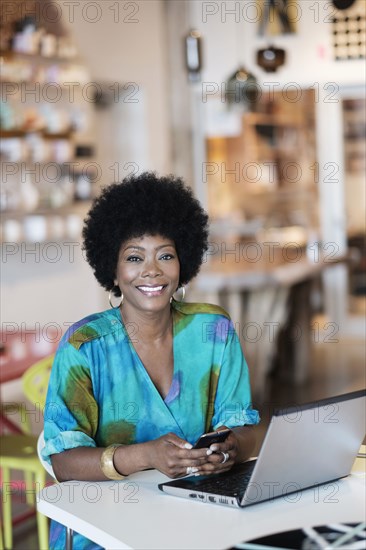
230, 484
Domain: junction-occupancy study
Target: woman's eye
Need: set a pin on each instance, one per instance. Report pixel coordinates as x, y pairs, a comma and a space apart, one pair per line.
167, 257
133, 259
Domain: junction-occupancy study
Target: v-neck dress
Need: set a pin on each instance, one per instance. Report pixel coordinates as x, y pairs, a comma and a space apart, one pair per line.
100, 392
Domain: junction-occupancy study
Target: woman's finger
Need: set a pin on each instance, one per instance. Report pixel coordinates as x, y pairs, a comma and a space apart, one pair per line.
214, 468
173, 439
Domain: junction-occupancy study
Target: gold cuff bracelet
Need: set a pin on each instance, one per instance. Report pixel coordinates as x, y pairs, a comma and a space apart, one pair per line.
107, 465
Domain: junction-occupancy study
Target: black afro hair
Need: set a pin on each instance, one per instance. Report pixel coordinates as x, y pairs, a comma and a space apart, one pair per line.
145, 204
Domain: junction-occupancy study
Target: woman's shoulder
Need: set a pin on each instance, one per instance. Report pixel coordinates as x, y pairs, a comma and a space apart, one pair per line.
91, 327
196, 308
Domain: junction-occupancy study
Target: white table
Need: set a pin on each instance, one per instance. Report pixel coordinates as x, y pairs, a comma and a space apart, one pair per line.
134, 513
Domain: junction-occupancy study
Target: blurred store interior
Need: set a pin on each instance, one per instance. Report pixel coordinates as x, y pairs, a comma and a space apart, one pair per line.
263, 114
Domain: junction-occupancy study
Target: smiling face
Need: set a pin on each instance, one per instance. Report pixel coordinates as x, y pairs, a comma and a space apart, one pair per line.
147, 272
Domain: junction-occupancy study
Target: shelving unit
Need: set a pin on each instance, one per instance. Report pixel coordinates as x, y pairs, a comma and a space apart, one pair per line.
8, 134
354, 124
354, 127
46, 128
269, 171
41, 175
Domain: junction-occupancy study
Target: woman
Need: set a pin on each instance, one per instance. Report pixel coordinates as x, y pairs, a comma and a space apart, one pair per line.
135, 386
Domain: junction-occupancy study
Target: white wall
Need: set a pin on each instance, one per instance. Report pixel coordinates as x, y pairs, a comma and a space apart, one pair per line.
126, 45
230, 38
47, 282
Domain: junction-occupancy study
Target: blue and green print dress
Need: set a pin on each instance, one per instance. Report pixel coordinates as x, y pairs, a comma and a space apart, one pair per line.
100, 393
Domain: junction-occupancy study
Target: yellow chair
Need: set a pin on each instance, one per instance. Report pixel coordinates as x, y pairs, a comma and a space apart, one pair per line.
19, 452
35, 381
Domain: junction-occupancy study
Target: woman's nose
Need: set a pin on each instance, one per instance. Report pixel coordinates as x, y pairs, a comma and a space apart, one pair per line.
151, 269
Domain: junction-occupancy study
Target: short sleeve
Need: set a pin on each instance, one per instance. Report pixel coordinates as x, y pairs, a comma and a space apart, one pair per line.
233, 406
71, 412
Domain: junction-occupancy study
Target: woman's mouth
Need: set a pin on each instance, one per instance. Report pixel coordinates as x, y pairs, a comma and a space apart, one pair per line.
153, 290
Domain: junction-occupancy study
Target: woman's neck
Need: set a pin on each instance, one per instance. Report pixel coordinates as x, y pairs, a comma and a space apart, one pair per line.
147, 326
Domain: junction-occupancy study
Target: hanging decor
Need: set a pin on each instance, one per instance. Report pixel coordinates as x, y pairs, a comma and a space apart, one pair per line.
271, 58
193, 55
343, 4
349, 37
242, 89
277, 16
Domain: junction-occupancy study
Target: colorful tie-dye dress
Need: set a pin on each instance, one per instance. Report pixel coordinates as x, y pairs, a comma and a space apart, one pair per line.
100, 392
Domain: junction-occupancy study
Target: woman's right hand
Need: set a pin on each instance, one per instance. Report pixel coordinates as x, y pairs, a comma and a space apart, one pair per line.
172, 455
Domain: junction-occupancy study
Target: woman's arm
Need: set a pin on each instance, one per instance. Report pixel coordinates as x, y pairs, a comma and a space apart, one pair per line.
83, 463
169, 454
245, 437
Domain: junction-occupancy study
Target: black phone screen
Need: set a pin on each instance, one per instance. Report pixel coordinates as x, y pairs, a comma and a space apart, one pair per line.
212, 437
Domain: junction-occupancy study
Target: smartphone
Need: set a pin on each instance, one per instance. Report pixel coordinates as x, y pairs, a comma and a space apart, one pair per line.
212, 437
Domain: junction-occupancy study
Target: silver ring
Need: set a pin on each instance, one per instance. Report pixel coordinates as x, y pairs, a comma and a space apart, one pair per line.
226, 457
189, 470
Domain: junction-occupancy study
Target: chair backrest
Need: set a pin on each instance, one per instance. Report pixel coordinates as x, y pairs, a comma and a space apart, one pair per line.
35, 381
35, 384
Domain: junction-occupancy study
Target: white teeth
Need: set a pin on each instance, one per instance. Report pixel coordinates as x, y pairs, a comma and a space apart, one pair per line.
150, 288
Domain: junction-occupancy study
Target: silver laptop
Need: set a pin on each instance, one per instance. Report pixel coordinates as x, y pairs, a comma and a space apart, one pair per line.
304, 446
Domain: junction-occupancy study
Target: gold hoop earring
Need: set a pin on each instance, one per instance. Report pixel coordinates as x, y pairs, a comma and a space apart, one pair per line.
110, 300
183, 289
